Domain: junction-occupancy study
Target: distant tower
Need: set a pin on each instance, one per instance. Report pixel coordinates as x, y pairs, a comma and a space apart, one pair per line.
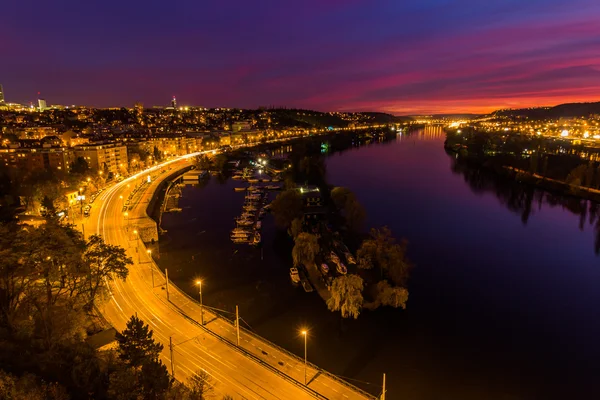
1, 95
42, 104
174, 102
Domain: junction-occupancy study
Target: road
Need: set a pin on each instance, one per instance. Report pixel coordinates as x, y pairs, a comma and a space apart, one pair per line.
255, 370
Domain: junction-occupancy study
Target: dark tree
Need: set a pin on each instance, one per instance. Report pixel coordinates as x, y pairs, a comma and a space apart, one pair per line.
287, 206
136, 344
79, 166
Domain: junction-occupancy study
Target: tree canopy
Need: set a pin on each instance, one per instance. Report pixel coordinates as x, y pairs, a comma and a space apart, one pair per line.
286, 207
305, 249
346, 295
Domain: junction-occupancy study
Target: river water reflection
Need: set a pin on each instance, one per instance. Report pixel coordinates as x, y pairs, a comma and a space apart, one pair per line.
504, 300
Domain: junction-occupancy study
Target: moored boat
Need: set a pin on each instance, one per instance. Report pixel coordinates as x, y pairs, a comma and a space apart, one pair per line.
324, 268
294, 275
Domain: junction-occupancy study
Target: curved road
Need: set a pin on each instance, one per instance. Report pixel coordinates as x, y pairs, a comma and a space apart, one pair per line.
258, 371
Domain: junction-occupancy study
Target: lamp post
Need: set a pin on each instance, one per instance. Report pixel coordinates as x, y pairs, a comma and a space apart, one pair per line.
305, 334
126, 215
81, 202
199, 283
135, 233
151, 266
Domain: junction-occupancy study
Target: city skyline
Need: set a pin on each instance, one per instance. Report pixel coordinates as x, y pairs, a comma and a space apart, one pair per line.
412, 58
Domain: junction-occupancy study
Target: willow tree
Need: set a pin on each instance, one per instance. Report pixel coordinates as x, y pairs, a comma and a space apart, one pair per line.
346, 295
305, 249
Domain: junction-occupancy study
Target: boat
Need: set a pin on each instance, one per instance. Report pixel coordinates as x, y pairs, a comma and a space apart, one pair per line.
341, 268
239, 189
240, 234
252, 180
324, 268
237, 177
245, 222
334, 257
307, 286
257, 239
239, 240
349, 258
294, 275
258, 225
273, 187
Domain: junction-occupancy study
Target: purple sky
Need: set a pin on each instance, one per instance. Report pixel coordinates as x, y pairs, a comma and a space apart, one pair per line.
398, 56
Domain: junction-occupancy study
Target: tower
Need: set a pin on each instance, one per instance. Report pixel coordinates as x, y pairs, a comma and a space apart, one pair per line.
42, 104
174, 102
1, 95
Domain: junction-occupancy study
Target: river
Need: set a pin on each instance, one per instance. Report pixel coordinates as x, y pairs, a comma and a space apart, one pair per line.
504, 300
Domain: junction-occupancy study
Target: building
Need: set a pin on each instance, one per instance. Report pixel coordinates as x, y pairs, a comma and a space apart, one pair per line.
174, 102
241, 126
51, 159
110, 158
42, 104
1, 95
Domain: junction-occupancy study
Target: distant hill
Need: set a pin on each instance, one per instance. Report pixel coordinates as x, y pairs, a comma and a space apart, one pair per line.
311, 118
568, 110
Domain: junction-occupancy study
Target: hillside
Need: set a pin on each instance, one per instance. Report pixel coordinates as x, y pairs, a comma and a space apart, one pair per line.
567, 110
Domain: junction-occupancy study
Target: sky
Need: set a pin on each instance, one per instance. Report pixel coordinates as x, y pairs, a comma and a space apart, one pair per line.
397, 56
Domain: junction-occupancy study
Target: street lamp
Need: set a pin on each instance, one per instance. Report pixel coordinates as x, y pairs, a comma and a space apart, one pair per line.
135, 233
151, 266
305, 334
199, 283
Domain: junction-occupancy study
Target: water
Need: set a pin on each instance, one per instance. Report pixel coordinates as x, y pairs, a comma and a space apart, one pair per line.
499, 308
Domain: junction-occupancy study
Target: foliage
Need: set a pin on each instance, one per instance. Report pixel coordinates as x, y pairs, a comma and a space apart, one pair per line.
203, 162
382, 251
79, 166
345, 201
305, 249
387, 295
103, 261
201, 385
346, 295
136, 344
29, 387
286, 207
296, 227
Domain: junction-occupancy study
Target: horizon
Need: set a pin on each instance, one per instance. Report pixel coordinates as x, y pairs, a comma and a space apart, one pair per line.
416, 58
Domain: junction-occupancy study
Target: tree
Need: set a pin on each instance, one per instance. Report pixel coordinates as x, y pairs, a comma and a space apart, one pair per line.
286, 207
29, 387
366, 254
136, 344
157, 154
48, 206
382, 251
203, 162
103, 262
124, 385
355, 214
79, 166
154, 379
220, 162
296, 227
305, 249
339, 196
387, 295
201, 385
345, 201
346, 295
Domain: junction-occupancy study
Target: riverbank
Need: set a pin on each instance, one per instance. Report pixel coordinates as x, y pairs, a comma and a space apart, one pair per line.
526, 177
